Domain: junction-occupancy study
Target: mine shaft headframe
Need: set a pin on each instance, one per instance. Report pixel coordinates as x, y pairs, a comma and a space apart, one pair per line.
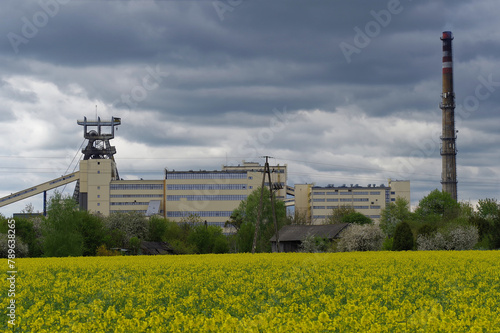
98, 146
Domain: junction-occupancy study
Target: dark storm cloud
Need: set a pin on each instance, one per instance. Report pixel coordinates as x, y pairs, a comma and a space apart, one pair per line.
191, 79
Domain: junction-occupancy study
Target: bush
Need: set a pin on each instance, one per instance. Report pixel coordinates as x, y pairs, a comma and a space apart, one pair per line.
21, 248
356, 237
313, 244
458, 238
102, 251
403, 238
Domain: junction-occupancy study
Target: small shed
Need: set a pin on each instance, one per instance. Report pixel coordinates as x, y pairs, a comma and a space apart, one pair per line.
154, 248
291, 236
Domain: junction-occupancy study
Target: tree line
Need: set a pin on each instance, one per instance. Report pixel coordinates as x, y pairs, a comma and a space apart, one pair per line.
438, 223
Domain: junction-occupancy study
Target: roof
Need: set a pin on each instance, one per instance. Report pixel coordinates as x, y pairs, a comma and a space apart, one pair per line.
291, 233
153, 248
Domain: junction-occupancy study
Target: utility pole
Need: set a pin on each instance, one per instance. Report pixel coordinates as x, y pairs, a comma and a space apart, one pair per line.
259, 213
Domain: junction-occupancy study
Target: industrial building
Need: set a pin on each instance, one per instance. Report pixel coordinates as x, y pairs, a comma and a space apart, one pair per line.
317, 202
209, 195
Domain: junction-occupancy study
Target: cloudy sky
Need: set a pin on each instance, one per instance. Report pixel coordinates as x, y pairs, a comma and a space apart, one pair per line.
343, 92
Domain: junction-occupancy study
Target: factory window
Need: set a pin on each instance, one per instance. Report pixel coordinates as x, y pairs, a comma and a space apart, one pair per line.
207, 175
319, 216
360, 199
331, 207
250, 177
393, 199
199, 213
98, 204
206, 187
98, 195
136, 196
319, 200
98, 171
98, 187
332, 200
318, 207
136, 187
374, 216
375, 207
360, 207
318, 193
345, 199
345, 193
360, 193
333, 193
393, 192
206, 197
135, 203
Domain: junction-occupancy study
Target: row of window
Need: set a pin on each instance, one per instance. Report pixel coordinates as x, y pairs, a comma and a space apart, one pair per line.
355, 207
206, 187
206, 197
207, 175
136, 187
341, 199
324, 216
199, 213
136, 196
135, 203
348, 193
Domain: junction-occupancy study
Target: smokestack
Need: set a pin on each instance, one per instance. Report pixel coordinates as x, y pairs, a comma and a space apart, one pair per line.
447, 105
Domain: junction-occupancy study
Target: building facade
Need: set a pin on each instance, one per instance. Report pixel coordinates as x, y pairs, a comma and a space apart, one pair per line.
210, 195
317, 203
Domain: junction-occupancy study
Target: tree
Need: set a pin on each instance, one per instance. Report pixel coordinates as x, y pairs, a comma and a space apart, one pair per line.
393, 214
487, 208
451, 238
438, 206
60, 228
91, 228
357, 218
247, 211
124, 226
403, 238
208, 239
368, 237
157, 228
338, 214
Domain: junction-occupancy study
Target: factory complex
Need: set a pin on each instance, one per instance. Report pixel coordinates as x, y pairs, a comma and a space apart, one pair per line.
209, 195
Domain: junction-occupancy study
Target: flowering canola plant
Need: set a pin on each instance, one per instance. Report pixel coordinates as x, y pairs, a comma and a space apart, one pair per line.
332, 292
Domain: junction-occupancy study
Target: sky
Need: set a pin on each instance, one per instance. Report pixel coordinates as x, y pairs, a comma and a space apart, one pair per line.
342, 92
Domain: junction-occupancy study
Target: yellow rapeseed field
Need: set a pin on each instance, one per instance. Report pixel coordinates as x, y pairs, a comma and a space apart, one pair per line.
333, 292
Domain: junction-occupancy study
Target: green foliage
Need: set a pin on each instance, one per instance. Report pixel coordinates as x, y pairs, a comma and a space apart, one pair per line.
403, 238
313, 244
298, 218
208, 239
387, 244
127, 225
338, 214
25, 230
60, 228
487, 209
92, 229
393, 214
427, 230
135, 245
248, 211
157, 228
438, 205
356, 218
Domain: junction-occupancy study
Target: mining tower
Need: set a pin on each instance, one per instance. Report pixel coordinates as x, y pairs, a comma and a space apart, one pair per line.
447, 105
